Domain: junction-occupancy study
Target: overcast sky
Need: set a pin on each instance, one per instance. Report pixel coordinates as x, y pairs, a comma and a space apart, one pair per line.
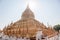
46, 11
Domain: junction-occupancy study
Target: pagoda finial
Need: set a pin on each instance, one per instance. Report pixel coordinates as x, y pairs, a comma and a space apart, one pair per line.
28, 5
27, 13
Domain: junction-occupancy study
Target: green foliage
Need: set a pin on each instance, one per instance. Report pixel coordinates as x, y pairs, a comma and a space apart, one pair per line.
57, 27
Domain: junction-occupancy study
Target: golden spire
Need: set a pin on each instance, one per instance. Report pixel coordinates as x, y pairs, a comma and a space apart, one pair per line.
28, 6
27, 13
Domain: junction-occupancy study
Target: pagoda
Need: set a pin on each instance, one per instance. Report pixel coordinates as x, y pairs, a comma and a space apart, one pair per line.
27, 26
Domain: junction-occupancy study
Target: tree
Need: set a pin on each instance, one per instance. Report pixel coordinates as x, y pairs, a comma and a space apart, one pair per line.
57, 27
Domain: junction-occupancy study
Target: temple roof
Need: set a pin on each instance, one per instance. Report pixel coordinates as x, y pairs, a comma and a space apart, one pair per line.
0, 31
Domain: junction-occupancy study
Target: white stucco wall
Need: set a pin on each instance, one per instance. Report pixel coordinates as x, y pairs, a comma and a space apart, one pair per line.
38, 35
53, 38
59, 36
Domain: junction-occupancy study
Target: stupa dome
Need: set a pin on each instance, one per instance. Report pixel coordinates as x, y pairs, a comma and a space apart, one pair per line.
27, 13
